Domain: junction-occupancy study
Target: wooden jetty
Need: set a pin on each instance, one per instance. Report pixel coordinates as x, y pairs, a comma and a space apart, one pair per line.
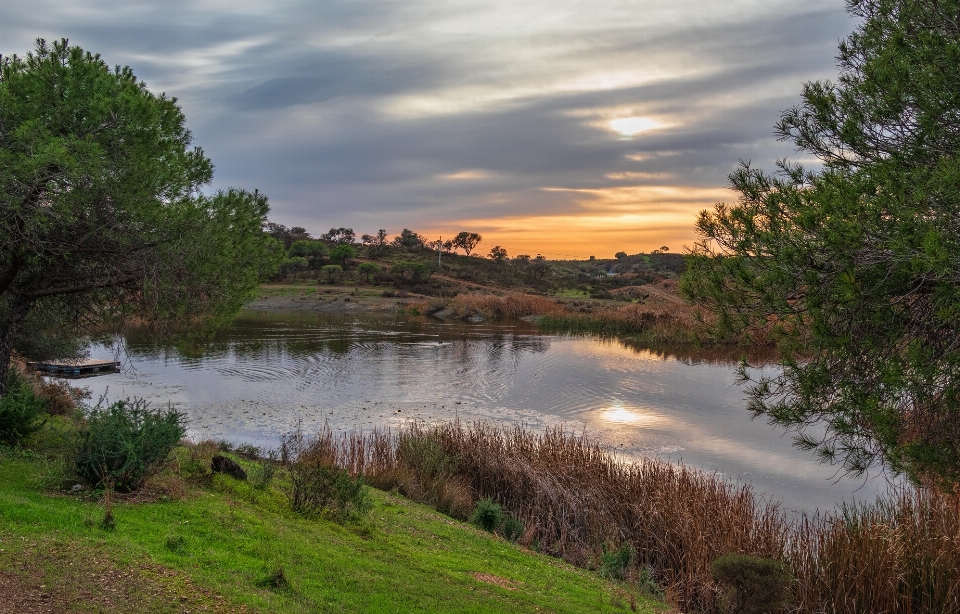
75, 368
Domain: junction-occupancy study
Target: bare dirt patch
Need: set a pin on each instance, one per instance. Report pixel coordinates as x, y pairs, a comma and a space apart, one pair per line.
41, 578
497, 580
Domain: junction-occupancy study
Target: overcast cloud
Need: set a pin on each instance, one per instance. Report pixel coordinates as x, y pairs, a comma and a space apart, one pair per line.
491, 116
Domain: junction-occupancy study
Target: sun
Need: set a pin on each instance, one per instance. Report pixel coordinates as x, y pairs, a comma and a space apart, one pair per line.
629, 126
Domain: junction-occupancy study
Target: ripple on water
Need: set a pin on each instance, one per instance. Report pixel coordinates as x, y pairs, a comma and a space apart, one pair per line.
269, 372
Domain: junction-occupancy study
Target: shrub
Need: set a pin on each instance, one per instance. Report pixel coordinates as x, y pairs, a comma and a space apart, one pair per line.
617, 563
316, 484
21, 410
512, 528
262, 473
487, 515
126, 443
647, 583
248, 451
317, 487
60, 397
424, 454
333, 272
753, 585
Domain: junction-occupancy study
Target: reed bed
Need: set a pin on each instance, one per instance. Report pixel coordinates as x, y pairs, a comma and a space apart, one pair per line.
659, 322
512, 305
575, 499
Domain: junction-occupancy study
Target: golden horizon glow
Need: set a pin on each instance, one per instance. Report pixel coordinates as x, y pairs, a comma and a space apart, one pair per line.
599, 222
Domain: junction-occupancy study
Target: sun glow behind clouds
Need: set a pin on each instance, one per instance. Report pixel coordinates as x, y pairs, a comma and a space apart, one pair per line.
629, 126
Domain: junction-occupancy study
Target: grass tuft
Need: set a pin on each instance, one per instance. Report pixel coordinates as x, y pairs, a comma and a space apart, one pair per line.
275, 580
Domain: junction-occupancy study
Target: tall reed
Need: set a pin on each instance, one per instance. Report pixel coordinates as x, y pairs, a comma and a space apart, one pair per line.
513, 305
658, 322
901, 554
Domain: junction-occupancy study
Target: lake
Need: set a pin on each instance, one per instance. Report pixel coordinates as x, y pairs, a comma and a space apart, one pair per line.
269, 371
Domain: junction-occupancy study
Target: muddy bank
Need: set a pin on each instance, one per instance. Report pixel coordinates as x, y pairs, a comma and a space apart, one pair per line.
325, 303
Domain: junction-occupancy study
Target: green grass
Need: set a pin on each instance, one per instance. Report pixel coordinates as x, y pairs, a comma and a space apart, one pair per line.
288, 289
570, 293
227, 539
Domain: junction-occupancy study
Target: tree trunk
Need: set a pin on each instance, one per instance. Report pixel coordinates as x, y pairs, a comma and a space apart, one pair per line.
9, 328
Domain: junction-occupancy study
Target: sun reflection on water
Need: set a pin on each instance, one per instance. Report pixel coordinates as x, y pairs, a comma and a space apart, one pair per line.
633, 416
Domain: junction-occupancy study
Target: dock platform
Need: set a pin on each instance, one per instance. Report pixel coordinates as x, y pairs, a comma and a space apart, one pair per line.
75, 368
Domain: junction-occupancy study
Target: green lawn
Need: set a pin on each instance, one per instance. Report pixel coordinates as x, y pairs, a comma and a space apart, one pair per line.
221, 543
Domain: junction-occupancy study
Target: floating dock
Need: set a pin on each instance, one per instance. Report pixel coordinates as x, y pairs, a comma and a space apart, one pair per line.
75, 368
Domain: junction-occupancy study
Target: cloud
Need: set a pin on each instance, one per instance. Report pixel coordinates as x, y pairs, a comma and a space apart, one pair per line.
434, 116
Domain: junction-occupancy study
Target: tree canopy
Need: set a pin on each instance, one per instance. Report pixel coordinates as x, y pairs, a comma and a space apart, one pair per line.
467, 241
101, 215
854, 267
498, 254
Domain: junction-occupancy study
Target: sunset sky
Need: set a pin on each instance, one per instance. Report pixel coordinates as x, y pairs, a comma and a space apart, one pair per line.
567, 128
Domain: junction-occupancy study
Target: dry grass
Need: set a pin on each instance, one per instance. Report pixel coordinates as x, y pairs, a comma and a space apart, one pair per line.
900, 555
658, 322
512, 305
61, 398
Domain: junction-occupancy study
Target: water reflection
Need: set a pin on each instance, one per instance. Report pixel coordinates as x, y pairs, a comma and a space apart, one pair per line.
617, 414
720, 356
259, 377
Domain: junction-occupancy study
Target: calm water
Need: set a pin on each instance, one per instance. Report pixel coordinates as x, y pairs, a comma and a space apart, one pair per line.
269, 370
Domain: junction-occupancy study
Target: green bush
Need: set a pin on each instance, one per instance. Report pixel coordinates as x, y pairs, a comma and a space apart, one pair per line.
21, 410
616, 563
647, 583
487, 515
425, 456
262, 473
753, 585
318, 487
125, 443
512, 528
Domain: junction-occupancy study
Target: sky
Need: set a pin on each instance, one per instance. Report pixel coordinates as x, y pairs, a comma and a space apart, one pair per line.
567, 128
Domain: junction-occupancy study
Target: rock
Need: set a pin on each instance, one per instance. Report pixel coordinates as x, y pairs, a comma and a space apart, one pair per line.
222, 464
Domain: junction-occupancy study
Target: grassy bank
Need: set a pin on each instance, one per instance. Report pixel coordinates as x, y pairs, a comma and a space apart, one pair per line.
221, 545
582, 504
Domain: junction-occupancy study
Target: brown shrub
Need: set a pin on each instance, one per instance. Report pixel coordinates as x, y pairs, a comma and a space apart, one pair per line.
62, 399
